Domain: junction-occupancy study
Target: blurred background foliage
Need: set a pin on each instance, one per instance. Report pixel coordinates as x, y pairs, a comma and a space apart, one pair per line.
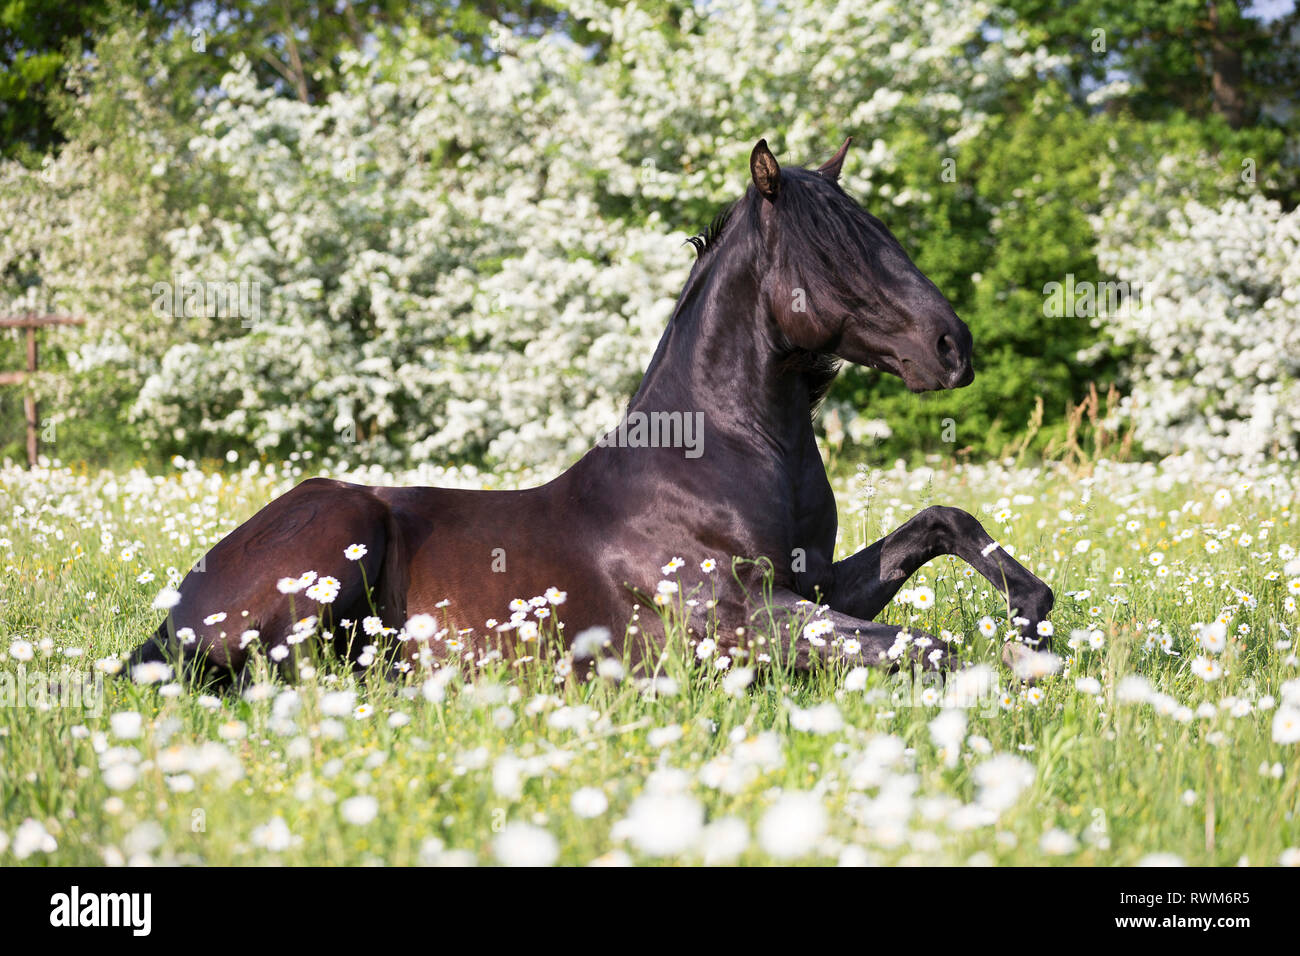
1118, 88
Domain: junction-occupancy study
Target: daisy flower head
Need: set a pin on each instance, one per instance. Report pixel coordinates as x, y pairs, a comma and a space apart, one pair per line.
1206, 668
522, 844
151, 672
359, 811
168, 598
325, 590
588, 802
1214, 637
421, 627
1286, 725
815, 631
589, 642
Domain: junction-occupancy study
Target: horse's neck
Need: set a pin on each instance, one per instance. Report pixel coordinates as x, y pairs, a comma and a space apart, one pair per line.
720, 363
719, 356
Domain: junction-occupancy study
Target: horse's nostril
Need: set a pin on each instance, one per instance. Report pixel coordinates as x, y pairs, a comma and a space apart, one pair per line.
949, 355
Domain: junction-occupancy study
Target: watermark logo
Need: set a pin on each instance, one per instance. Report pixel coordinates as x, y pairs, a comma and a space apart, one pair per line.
42, 690
76, 909
1083, 299
658, 430
973, 690
190, 298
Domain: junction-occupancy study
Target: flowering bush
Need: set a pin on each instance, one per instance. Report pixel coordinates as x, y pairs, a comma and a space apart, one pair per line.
470, 262
1216, 340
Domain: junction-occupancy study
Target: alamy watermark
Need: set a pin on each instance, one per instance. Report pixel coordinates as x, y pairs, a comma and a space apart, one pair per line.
1084, 299
133, 911
190, 298
43, 690
683, 430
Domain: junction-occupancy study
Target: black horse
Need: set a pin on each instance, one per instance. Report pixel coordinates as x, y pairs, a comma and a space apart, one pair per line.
789, 280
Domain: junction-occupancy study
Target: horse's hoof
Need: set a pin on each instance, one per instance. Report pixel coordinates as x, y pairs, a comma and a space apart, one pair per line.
1026, 663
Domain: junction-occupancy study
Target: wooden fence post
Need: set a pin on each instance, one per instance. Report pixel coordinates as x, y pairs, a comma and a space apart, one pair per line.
31, 323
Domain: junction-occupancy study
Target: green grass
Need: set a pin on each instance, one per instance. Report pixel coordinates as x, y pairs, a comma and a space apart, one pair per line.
493, 767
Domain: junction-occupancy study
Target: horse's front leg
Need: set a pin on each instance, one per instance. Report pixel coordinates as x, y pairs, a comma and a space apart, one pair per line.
810, 631
867, 581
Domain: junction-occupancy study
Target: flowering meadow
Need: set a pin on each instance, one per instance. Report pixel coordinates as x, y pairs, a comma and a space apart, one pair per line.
1162, 727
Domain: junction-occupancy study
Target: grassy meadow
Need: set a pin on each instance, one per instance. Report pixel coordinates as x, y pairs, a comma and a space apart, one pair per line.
1165, 732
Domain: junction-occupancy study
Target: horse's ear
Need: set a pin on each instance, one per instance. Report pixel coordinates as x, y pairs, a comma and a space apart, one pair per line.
831, 168
767, 174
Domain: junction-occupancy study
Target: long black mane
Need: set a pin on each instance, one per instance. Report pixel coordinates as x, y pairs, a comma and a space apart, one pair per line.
824, 240
707, 238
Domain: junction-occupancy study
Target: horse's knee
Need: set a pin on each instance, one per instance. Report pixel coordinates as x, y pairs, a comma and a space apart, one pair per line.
946, 525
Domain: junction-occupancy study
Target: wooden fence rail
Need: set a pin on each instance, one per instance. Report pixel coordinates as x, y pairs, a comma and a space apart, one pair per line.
31, 323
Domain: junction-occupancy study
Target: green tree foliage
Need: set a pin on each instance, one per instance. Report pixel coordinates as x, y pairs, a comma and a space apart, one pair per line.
37, 40
1237, 60
294, 45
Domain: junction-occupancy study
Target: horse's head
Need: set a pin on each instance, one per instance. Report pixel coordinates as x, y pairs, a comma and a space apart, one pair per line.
838, 282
